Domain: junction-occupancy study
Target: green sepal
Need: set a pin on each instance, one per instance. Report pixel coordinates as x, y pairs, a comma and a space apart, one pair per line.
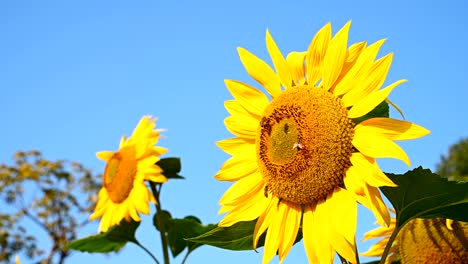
111, 241
171, 167
236, 237
382, 110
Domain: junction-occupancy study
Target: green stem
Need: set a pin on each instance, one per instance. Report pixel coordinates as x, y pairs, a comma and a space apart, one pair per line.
357, 253
162, 230
186, 256
146, 250
389, 243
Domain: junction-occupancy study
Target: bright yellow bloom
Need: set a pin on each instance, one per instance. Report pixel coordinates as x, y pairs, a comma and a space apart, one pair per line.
302, 155
124, 192
434, 240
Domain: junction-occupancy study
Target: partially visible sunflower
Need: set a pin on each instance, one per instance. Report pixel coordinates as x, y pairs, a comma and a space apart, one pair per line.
124, 193
303, 159
421, 241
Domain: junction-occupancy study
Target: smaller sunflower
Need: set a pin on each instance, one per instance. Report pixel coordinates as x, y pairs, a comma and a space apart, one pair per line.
434, 240
124, 193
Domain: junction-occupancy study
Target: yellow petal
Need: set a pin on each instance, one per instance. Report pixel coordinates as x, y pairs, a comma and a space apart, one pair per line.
238, 167
339, 212
377, 249
311, 240
274, 233
291, 227
248, 210
296, 64
381, 231
265, 218
243, 188
335, 57
449, 224
242, 126
251, 99
260, 72
369, 171
105, 155
377, 146
156, 178
315, 54
369, 102
375, 78
318, 236
352, 54
359, 70
236, 145
394, 129
235, 108
281, 66
367, 195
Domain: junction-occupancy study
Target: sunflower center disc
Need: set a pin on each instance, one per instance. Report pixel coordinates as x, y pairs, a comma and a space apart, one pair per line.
304, 145
120, 173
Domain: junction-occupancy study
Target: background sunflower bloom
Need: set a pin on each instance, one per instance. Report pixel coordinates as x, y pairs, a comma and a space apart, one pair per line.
124, 193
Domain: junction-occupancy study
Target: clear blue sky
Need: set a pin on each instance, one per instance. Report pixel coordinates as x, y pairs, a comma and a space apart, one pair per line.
77, 75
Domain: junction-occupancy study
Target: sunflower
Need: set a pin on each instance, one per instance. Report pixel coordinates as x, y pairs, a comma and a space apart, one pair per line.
434, 240
302, 158
124, 192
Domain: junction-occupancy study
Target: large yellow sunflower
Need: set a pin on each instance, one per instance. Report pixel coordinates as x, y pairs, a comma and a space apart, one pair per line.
124, 192
301, 159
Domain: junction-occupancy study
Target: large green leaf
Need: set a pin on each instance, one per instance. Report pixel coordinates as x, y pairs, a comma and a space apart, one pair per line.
236, 237
171, 167
423, 194
112, 240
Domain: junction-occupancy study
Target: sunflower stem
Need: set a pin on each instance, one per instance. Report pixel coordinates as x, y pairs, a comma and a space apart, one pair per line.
186, 256
390, 242
146, 250
357, 253
162, 230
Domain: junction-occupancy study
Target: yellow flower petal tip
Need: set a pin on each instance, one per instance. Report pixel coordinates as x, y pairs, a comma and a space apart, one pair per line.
299, 148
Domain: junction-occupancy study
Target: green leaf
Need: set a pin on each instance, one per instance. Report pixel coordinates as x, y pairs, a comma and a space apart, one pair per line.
180, 229
171, 167
236, 237
111, 241
423, 194
382, 110
165, 218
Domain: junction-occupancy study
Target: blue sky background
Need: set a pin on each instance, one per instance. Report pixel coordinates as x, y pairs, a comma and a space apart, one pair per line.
77, 75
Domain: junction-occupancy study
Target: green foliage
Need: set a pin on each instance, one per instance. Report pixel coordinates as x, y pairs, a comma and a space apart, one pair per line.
382, 110
57, 196
236, 237
178, 230
171, 167
455, 164
111, 241
423, 194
